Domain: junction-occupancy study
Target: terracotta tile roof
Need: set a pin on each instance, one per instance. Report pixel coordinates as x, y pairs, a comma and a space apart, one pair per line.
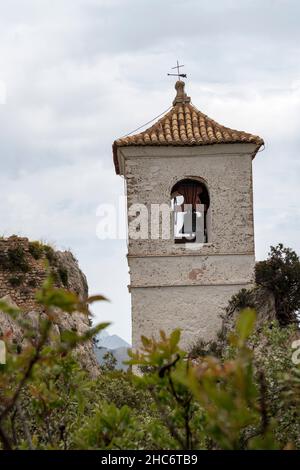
185, 125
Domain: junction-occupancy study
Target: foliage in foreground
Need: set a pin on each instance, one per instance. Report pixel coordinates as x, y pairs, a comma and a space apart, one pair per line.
236, 401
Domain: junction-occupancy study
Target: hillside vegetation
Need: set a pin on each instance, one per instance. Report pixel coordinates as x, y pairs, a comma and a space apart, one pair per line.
240, 393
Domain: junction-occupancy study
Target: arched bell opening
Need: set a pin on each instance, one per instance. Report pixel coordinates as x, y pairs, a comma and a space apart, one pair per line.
190, 203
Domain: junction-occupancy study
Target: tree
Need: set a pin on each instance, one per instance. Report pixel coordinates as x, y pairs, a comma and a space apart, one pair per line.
109, 361
29, 373
280, 274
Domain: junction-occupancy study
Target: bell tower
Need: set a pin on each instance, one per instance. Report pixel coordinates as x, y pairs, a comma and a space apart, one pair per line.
190, 217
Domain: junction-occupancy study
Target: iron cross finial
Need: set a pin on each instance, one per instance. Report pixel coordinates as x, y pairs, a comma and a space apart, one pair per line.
178, 74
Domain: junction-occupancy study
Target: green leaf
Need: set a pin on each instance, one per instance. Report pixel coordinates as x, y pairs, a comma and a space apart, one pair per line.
65, 300
68, 336
245, 323
145, 341
6, 308
174, 338
96, 298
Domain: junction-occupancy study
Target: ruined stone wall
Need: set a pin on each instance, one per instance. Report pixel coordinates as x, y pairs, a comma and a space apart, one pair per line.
172, 285
28, 279
21, 275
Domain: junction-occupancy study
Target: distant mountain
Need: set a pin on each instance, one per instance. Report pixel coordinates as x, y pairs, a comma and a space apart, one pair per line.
120, 354
102, 334
111, 342
114, 344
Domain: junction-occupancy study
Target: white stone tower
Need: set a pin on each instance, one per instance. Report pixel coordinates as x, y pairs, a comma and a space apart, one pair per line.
186, 157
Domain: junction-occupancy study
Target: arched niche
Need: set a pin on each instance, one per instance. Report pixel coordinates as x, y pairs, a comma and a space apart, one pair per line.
190, 201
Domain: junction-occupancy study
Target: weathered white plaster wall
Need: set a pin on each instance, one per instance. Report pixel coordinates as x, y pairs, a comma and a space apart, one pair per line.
172, 286
196, 310
191, 270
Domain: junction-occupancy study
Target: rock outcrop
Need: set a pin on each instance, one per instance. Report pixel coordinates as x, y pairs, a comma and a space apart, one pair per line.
22, 272
258, 298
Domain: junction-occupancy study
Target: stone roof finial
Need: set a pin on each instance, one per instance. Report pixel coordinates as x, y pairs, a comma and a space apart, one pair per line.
181, 96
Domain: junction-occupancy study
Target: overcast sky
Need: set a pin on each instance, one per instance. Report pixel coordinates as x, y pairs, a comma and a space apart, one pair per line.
80, 73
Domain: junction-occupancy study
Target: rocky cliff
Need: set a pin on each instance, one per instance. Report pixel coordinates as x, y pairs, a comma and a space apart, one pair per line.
22, 272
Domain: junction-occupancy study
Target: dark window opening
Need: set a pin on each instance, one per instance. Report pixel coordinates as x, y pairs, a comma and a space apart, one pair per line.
190, 202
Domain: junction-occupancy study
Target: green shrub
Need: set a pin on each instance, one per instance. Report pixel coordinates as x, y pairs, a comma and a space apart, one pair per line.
16, 259
16, 281
247, 399
243, 299
50, 254
280, 274
201, 348
118, 387
109, 361
60, 276
63, 275
3, 260
36, 249
43, 391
